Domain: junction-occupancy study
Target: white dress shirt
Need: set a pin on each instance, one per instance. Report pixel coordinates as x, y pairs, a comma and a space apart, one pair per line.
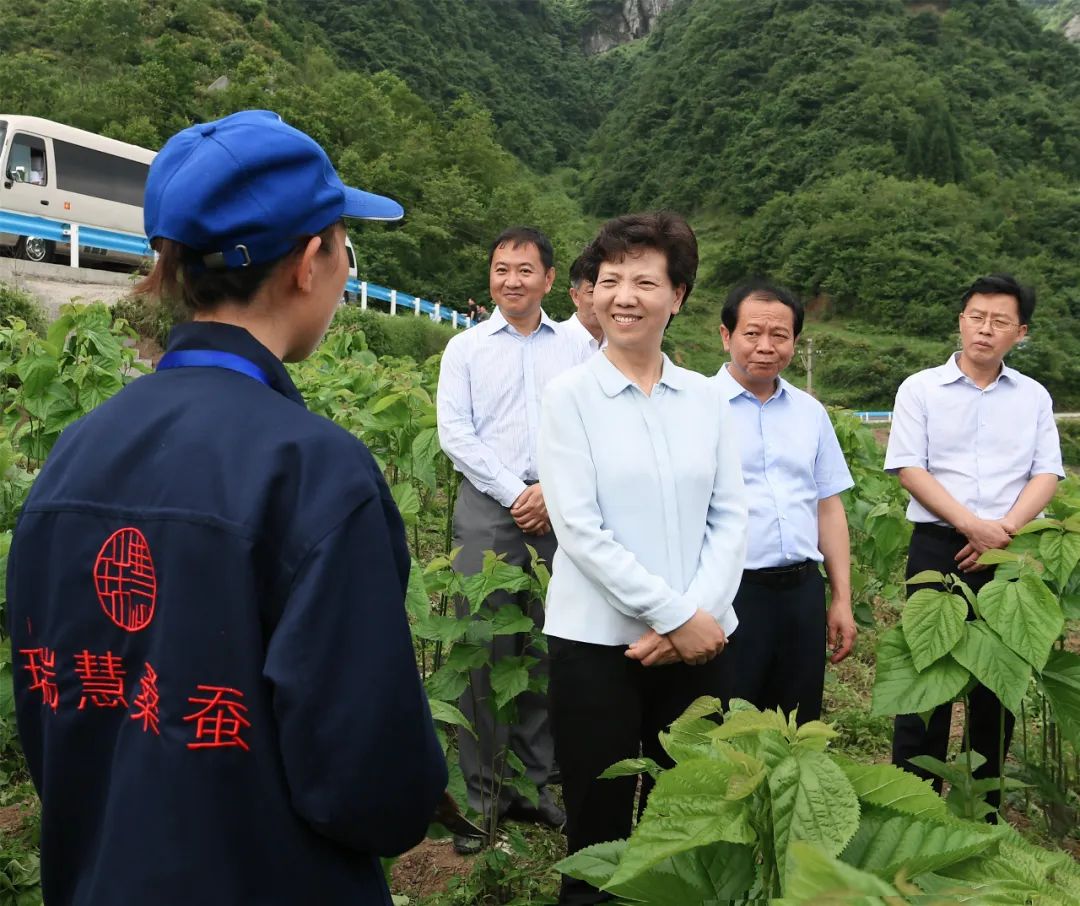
488, 402
982, 445
791, 460
575, 330
646, 498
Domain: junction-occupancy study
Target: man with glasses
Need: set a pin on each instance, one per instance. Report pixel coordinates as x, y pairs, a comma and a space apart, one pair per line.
975, 444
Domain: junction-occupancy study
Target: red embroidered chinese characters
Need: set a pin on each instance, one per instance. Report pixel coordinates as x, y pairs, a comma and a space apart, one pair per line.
41, 663
219, 724
102, 678
147, 701
126, 580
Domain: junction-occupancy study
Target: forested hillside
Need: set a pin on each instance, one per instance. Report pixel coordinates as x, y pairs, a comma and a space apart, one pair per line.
523, 60
872, 153
139, 71
875, 154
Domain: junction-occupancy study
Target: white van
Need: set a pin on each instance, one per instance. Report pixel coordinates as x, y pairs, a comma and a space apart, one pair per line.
52, 176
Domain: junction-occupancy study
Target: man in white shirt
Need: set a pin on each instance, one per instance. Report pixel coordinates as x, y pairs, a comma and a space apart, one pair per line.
488, 404
583, 326
794, 472
975, 444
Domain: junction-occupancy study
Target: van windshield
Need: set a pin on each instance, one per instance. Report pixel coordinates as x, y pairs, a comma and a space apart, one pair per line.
3, 134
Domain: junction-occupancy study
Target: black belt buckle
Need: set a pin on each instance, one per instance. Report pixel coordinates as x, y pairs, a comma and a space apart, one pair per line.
781, 576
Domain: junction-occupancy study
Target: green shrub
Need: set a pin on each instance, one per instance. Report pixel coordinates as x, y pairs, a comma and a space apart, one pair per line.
149, 317
1069, 430
400, 335
14, 303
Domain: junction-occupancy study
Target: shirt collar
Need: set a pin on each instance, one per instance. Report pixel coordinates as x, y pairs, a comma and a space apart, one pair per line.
497, 322
732, 388
950, 372
613, 382
230, 338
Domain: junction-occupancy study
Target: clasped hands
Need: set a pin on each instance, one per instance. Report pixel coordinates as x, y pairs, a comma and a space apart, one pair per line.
982, 535
530, 513
696, 642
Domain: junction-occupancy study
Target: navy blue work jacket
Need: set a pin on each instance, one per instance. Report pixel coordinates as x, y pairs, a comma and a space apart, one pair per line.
215, 684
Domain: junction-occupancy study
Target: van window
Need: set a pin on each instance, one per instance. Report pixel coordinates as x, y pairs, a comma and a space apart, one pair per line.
26, 160
352, 257
101, 175
3, 134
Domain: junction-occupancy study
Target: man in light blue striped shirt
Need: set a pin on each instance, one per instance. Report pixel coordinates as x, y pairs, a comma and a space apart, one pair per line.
490, 383
794, 472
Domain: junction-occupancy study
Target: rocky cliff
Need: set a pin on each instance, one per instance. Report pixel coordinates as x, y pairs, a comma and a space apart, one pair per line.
629, 19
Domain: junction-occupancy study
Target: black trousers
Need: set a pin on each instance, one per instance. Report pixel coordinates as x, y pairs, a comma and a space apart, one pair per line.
779, 647
936, 547
606, 707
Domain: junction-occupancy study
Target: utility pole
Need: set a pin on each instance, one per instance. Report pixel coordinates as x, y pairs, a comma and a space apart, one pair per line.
808, 363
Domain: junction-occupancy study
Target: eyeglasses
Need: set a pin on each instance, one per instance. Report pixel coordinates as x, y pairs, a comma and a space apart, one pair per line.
977, 319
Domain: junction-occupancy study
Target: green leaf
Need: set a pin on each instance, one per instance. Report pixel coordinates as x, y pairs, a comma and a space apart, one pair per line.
926, 577
742, 723
933, 622
1038, 525
703, 706
449, 714
1060, 552
407, 500
465, 656
890, 787
995, 555
495, 575
385, 402
1061, 683
812, 801
510, 677
1025, 614
446, 684
814, 734
814, 876
901, 689
887, 843
631, 767
417, 602
713, 874
686, 810
36, 372
425, 452
993, 664
688, 739
509, 620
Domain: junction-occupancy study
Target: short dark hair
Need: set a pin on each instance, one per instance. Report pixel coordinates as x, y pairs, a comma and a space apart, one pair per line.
766, 290
664, 231
1006, 285
584, 267
524, 235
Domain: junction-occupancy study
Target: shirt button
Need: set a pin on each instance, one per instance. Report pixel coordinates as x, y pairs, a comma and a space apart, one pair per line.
789, 556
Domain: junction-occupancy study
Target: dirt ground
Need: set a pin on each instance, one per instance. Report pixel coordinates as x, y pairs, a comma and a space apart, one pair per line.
428, 868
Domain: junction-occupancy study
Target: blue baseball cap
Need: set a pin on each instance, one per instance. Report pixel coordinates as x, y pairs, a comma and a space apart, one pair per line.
244, 189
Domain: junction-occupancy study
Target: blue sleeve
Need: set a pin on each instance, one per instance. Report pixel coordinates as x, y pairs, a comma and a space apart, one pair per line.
361, 758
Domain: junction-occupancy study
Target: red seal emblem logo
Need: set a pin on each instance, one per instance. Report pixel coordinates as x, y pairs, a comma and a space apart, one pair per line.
126, 580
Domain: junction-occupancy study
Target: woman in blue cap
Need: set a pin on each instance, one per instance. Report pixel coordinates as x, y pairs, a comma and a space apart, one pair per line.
216, 688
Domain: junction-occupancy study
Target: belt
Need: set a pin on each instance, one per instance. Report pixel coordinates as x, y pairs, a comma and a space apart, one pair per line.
943, 532
781, 576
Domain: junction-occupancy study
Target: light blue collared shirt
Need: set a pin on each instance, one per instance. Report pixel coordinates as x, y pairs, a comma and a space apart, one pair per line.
982, 445
646, 498
791, 460
488, 402
574, 329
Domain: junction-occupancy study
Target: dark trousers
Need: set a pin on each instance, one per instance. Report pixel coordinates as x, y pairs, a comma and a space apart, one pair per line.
779, 647
480, 524
606, 707
936, 547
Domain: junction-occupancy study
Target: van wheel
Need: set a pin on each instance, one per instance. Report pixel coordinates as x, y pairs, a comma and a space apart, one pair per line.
34, 248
